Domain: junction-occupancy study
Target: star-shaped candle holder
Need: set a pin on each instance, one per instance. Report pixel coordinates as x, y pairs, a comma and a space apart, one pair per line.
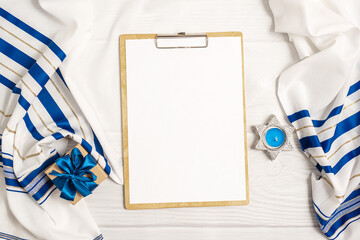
273, 137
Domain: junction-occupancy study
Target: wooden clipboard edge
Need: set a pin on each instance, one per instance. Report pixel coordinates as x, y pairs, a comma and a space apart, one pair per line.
124, 119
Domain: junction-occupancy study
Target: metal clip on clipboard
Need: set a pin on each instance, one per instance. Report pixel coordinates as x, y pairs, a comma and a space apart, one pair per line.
186, 40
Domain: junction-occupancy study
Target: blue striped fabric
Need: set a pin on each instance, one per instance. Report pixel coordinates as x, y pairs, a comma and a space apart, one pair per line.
24, 103
32, 128
349, 209
336, 111
100, 237
9, 237
342, 154
7, 83
8, 167
34, 33
341, 128
56, 118
31, 176
54, 110
24, 60
341, 163
61, 77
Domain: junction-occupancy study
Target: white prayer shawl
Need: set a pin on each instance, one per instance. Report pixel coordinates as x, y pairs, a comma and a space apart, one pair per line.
321, 96
40, 120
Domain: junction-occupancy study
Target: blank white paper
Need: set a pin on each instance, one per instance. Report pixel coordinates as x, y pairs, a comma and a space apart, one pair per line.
185, 122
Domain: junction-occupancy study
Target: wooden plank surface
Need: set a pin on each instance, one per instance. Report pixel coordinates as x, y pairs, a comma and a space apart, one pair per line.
280, 194
205, 233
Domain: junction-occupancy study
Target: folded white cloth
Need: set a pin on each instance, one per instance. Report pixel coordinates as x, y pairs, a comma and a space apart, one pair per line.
321, 96
40, 120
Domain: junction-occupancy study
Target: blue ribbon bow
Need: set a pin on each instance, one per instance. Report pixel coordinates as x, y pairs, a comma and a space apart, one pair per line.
76, 175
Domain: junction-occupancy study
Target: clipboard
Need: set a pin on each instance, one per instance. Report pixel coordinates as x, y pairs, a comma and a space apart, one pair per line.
181, 147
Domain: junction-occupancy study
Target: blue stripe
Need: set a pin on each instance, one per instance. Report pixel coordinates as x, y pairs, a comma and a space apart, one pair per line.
353, 88
30, 126
53, 109
6, 82
345, 228
37, 183
61, 77
12, 182
337, 110
48, 196
298, 115
334, 112
24, 103
321, 221
24, 60
107, 168
98, 146
341, 128
57, 136
34, 33
9, 84
340, 222
9, 171
8, 236
41, 192
7, 162
342, 162
10, 190
39, 170
17, 90
353, 195
309, 142
342, 208
86, 145
88, 148
317, 123
99, 237
7, 154
100, 150
15, 54
39, 75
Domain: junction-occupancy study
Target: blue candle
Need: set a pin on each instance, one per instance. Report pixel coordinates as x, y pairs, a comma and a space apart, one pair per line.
275, 137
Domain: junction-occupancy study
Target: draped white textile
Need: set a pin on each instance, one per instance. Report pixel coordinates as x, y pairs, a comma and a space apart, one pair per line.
321, 96
40, 120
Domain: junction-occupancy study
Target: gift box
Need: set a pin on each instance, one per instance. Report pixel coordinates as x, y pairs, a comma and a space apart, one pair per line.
76, 174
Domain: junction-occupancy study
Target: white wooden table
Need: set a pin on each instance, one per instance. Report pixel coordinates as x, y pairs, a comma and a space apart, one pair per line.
280, 194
